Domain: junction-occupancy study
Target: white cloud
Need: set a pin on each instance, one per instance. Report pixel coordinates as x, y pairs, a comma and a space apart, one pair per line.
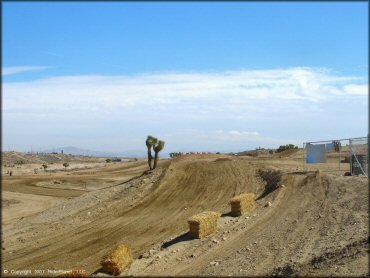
240, 133
231, 106
212, 91
355, 89
15, 70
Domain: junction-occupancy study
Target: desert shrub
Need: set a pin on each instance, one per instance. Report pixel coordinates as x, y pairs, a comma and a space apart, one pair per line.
272, 177
108, 160
172, 155
223, 159
286, 147
337, 145
346, 160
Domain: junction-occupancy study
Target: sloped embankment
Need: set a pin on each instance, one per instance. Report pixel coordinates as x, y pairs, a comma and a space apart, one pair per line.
143, 212
316, 225
311, 219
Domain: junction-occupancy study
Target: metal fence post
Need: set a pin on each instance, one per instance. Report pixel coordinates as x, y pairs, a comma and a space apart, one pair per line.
340, 153
304, 152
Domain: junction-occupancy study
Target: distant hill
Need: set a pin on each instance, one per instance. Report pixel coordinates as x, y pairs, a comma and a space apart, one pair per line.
80, 151
13, 157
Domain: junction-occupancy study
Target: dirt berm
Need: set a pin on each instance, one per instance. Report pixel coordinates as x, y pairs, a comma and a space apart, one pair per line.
311, 223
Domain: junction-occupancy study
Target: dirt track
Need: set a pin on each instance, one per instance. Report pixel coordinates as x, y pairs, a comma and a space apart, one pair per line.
317, 223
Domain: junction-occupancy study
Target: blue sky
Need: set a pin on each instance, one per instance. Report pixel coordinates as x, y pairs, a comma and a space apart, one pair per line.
201, 76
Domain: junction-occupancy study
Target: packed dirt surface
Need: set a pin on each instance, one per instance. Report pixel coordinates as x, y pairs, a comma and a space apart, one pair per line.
19, 158
304, 223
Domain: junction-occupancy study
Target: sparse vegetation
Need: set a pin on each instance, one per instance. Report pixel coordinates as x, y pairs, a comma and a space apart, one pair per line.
286, 147
337, 145
150, 142
108, 160
65, 164
157, 149
346, 159
157, 145
45, 167
272, 178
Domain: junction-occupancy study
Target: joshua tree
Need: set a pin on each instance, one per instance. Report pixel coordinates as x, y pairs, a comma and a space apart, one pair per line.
44, 166
157, 149
150, 142
65, 164
337, 145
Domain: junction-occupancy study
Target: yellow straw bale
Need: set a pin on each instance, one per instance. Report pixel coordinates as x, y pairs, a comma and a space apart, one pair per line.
203, 224
117, 260
242, 204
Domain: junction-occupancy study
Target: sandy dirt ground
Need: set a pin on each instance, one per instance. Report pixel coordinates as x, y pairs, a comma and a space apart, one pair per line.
317, 223
16, 206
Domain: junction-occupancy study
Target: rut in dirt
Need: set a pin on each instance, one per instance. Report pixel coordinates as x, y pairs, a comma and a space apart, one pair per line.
186, 188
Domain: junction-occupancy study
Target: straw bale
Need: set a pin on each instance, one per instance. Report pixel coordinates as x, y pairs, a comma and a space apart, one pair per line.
77, 273
117, 260
203, 224
242, 204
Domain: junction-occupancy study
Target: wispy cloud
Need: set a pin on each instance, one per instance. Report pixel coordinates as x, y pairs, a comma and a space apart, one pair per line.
204, 90
21, 69
219, 104
219, 140
355, 89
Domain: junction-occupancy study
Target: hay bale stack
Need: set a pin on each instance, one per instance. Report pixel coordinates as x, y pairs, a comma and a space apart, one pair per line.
203, 224
117, 260
242, 204
74, 274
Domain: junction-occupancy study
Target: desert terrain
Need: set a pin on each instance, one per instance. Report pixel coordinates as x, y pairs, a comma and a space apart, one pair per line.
306, 222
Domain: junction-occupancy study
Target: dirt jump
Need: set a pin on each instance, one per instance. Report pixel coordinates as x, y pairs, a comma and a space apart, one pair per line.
304, 222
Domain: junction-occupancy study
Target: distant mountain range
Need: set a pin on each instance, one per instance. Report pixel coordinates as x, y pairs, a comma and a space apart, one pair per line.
79, 151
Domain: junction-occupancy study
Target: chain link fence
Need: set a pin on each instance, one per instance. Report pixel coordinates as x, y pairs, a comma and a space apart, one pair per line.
342, 155
359, 159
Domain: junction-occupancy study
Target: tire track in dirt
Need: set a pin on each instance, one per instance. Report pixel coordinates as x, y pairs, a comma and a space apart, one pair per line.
291, 231
197, 185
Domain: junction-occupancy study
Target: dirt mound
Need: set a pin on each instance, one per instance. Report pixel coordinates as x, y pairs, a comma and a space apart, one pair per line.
155, 212
354, 251
311, 216
312, 220
11, 158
